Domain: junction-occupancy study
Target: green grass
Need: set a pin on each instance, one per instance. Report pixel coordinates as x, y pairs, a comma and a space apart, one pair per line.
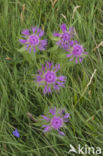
19, 95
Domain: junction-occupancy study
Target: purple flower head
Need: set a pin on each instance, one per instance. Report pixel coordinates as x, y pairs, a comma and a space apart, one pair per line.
32, 40
48, 78
52, 111
65, 37
16, 133
56, 120
77, 52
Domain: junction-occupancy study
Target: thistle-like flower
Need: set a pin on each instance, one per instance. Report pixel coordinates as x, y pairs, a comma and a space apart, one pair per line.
64, 38
49, 79
76, 52
16, 133
32, 40
55, 120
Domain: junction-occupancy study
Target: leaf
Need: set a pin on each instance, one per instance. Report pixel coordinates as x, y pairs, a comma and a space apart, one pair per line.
21, 49
27, 56
52, 37
54, 48
39, 124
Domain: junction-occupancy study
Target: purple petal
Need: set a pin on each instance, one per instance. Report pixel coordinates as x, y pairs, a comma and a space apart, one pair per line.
69, 55
38, 30
76, 42
45, 118
80, 59
34, 50
50, 65
45, 90
39, 78
34, 29
85, 53
43, 68
27, 46
46, 65
41, 48
56, 34
29, 50
76, 61
52, 111
67, 115
60, 83
66, 120
49, 90
71, 59
44, 126
71, 30
56, 87
62, 78
43, 42
71, 43
25, 32
57, 67
41, 33
16, 133
63, 111
58, 43
63, 27
46, 129
22, 41
40, 72
61, 133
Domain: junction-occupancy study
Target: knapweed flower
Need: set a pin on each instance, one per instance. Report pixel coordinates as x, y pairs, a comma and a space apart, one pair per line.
77, 52
55, 120
64, 38
16, 133
32, 39
49, 79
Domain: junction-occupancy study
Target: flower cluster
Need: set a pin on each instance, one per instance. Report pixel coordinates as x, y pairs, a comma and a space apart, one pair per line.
48, 78
32, 41
64, 38
67, 42
55, 120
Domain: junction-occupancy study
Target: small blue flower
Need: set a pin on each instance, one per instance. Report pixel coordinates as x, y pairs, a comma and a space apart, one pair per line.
16, 133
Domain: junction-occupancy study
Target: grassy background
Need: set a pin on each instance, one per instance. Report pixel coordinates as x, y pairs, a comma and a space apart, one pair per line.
18, 95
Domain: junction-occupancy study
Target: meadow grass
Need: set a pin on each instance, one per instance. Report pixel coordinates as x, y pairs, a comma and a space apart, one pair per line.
83, 94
